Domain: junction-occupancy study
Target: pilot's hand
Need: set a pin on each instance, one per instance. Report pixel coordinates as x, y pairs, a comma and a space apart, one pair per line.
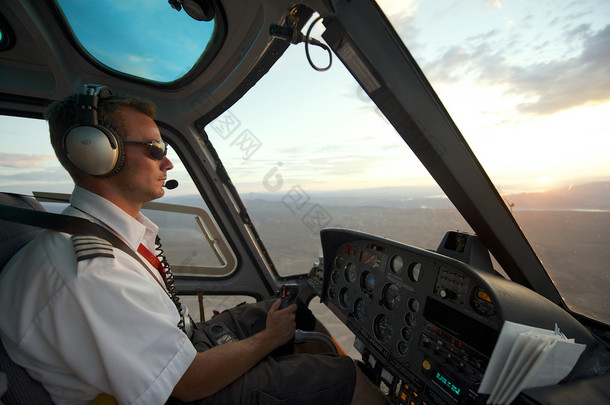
281, 322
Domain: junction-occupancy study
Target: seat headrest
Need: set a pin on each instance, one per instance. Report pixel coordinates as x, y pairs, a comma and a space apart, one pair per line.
13, 236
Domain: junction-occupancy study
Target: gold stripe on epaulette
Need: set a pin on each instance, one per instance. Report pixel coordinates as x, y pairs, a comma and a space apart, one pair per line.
88, 247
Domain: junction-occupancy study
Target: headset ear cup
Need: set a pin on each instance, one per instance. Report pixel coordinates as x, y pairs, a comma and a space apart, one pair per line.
93, 149
120, 161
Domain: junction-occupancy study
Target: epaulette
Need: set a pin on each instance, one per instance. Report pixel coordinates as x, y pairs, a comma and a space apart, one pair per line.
88, 247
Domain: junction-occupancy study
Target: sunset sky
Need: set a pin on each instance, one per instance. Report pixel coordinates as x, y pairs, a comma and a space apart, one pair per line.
527, 82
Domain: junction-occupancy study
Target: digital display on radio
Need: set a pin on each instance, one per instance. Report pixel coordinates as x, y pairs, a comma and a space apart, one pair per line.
448, 385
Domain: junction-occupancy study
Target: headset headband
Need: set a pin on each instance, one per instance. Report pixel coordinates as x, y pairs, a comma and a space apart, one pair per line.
91, 147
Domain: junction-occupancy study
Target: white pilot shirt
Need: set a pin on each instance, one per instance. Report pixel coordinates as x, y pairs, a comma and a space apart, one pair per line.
100, 325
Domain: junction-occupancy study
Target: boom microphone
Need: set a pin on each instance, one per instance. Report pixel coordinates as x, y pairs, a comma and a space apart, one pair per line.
171, 184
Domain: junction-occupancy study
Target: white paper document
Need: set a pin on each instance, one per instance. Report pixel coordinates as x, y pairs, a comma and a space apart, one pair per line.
526, 357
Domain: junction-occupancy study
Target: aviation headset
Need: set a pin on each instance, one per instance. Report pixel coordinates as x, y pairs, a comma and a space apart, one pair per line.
91, 147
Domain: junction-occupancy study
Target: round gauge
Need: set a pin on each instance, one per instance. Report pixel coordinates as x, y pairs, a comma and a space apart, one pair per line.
396, 264
332, 293
382, 328
410, 319
345, 298
414, 304
391, 296
350, 272
339, 261
334, 276
403, 348
415, 272
406, 334
367, 282
360, 310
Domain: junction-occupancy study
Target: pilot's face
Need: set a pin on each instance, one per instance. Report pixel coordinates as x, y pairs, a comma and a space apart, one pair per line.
142, 177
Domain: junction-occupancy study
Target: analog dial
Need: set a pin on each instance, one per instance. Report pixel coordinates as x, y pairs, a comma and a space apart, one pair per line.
345, 298
415, 272
383, 328
391, 296
396, 264
350, 272
360, 311
367, 282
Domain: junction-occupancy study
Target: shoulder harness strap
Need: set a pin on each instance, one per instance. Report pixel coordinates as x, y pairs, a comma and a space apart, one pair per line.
80, 228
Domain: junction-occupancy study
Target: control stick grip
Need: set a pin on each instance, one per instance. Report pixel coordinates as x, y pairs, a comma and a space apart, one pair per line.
289, 294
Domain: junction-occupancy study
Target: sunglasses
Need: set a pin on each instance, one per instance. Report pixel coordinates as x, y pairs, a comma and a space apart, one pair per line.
157, 149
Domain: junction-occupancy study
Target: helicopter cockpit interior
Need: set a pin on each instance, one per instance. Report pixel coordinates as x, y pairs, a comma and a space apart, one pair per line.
392, 161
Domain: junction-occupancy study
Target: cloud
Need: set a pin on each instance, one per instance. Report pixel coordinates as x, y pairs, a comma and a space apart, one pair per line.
399, 8
552, 86
493, 4
16, 160
563, 84
52, 179
40, 176
401, 14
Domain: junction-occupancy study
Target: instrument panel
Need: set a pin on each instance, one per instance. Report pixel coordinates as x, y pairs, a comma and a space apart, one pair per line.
425, 324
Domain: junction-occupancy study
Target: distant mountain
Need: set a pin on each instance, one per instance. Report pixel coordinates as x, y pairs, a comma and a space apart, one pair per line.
589, 196
394, 197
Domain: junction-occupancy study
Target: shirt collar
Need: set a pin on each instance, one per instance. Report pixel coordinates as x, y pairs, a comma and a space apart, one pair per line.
132, 230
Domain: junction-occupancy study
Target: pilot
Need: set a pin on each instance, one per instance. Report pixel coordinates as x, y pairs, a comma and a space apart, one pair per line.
87, 319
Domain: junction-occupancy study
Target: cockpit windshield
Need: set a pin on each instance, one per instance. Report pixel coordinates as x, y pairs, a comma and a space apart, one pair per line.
522, 82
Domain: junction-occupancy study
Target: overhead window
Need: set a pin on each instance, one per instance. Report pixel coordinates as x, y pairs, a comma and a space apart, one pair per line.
118, 35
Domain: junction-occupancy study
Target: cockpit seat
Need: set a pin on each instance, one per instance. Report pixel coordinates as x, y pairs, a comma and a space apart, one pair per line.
14, 236
22, 389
